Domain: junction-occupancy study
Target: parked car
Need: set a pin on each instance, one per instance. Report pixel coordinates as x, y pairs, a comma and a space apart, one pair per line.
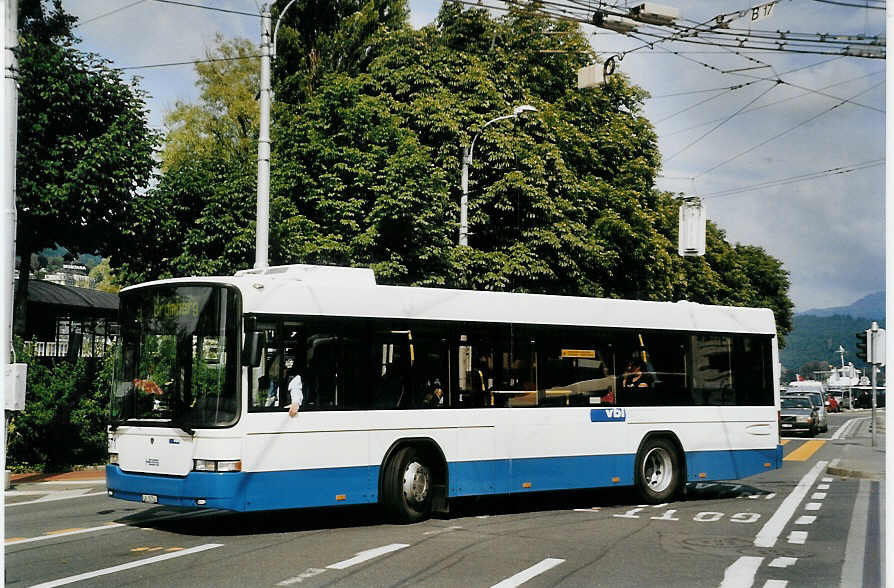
864, 399
797, 414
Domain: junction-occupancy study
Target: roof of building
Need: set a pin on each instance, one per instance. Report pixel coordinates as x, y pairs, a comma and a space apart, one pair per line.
43, 292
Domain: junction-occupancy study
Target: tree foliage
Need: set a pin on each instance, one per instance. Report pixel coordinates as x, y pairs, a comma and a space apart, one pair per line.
366, 167
224, 123
84, 146
64, 420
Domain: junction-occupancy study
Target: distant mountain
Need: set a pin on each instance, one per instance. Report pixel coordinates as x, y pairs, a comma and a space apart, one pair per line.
816, 338
870, 307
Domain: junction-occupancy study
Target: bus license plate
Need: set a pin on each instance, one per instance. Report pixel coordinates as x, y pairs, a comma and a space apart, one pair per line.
150, 498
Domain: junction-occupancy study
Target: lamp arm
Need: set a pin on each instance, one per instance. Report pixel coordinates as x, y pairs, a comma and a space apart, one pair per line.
276, 28
493, 120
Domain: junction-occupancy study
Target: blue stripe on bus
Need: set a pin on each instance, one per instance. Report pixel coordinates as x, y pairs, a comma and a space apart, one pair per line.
730, 464
243, 491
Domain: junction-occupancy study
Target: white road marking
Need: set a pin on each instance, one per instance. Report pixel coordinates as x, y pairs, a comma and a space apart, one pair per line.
591, 509
65, 534
768, 535
741, 573
67, 495
775, 583
367, 555
525, 575
805, 520
783, 562
308, 573
630, 514
745, 517
828, 480
443, 530
97, 482
667, 516
708, 517
822, 487
797, 537
813, 506
127, 566
818, 496
854, 551
845, 429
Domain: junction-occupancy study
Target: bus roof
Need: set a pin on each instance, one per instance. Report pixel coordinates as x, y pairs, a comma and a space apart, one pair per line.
352, 292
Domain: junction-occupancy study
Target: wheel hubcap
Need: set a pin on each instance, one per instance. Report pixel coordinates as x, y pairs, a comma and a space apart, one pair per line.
416, 482
657, 469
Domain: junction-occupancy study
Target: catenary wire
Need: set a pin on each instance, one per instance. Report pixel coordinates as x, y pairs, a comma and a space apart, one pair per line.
723, 122
775, 102
785, 132
794, 179
851, 5
192, 62
214, 8
109, 13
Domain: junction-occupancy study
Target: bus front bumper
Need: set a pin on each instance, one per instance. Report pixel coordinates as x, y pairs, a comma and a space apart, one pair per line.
195, 490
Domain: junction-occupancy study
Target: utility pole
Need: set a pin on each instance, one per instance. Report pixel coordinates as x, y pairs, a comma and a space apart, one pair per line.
10, 40
262, 229
877, 358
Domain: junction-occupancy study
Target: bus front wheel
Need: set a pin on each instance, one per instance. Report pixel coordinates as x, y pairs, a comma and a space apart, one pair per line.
658, 471
408, 485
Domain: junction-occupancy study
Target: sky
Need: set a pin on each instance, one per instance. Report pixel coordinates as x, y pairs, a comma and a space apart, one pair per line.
795, 167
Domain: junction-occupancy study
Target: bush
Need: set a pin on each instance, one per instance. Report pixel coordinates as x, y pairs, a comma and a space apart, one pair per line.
66, 408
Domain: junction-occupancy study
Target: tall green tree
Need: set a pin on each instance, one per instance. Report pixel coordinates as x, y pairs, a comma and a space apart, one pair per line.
84, 144
319, 37
224, 122
366, 169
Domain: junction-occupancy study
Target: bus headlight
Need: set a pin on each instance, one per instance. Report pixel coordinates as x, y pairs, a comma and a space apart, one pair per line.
214, 465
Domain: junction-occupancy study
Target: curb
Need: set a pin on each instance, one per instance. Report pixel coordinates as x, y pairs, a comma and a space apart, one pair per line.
849, 473
849, 470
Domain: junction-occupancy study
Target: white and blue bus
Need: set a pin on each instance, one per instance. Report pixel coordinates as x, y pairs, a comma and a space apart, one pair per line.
413, 396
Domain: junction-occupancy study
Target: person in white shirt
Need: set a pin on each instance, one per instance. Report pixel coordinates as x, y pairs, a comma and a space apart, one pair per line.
296, 393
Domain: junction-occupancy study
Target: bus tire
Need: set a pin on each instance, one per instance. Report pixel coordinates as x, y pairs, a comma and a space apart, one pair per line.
658, 475
408, 485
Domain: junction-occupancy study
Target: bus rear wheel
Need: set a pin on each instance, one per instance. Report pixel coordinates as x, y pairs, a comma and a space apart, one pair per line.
658, 474
407, 486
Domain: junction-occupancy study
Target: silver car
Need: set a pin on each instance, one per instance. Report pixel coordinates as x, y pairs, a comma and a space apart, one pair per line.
816, 399
797, 415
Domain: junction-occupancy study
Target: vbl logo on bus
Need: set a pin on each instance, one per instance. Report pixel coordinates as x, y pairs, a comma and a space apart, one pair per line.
603, 415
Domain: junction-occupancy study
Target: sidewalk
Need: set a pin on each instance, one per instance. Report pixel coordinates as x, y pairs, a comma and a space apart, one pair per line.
91, 473
859, 458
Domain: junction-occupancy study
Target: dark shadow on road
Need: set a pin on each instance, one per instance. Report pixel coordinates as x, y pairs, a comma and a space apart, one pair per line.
219, 523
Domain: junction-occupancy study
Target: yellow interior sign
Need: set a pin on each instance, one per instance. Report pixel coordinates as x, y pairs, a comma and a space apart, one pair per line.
583, 353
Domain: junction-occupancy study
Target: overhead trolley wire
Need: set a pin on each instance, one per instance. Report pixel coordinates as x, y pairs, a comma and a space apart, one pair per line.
795, 179
851, 5
774, 103
723, 122
214, 8
785, 132
192, 62
109, 13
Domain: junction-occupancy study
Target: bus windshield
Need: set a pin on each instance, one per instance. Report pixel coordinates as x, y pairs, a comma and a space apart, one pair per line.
176, 363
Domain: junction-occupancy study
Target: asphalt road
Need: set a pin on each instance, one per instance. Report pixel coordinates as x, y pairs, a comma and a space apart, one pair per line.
798, 526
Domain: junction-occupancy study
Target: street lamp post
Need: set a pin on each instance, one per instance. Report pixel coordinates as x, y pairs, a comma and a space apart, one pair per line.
467, 161
268, 54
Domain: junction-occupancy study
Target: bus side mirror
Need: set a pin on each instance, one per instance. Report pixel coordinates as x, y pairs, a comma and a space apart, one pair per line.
251, 349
